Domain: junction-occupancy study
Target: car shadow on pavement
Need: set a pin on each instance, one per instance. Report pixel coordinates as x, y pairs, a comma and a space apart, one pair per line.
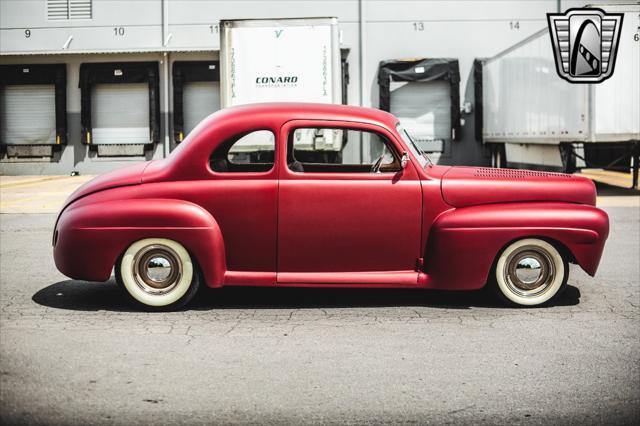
87, 296
607, 190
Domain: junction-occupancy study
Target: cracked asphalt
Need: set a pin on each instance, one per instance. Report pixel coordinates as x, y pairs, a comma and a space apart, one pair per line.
74, 353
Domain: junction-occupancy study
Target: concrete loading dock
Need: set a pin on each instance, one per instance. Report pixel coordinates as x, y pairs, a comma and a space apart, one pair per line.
166, 32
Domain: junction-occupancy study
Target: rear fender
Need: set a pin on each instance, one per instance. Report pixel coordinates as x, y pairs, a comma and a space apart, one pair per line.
91, 237
464, 242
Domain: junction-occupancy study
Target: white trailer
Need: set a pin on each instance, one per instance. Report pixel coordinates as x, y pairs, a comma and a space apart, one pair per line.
282, 60
536, 119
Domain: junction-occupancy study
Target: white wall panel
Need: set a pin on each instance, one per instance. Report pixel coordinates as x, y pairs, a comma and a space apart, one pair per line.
207, 12
32, 14
194, 36
464, 41
23, 14
83, 39
456, 10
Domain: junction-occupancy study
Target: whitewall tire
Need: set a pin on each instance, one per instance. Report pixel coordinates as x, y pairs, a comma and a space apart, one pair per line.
530, 272
158, 274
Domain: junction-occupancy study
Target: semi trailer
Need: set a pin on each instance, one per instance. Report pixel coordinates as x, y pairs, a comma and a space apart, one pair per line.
532, 118
283, 60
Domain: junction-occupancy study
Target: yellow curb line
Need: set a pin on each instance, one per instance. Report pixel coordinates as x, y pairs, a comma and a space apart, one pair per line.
36, 182
19, 200
30, 181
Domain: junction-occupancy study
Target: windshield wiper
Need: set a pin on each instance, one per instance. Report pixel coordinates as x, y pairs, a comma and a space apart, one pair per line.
417, 148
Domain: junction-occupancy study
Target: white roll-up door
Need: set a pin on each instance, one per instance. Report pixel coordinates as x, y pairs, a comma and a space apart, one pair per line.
28, 114
200, 98
424, 108
120, 114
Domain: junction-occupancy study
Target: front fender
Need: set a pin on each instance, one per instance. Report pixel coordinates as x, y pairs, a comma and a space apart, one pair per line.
89, 238
464, 242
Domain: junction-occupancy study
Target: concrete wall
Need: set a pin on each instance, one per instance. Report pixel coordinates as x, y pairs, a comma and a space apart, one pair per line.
392, 29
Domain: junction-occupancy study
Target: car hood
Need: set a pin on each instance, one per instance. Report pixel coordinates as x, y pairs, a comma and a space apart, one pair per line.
129, 175
469, 186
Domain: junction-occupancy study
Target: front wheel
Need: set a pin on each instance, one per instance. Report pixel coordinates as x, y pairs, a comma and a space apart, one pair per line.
158, 274
530, 272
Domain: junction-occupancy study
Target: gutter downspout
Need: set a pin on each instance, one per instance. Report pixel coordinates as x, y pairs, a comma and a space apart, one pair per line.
165, 71
361, 60
362, 46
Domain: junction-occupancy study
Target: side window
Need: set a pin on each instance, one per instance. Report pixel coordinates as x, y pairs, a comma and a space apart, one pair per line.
340, 150
248, 152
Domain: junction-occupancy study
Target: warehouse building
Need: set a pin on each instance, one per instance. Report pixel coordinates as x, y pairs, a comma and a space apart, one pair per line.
90, 85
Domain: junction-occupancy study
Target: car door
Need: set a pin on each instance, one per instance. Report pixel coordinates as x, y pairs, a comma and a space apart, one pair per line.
338, 220
241, 194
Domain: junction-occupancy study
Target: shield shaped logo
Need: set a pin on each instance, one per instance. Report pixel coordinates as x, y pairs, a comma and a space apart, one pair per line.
585, 43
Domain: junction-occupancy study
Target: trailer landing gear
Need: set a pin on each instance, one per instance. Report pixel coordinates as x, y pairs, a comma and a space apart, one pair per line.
635, 164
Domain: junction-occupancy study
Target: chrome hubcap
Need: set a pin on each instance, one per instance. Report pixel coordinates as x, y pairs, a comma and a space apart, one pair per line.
529, 271
157, 269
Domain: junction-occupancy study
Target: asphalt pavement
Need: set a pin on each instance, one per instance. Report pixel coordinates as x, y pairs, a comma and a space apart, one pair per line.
75, 353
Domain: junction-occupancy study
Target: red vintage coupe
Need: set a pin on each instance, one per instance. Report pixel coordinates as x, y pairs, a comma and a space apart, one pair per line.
312, 195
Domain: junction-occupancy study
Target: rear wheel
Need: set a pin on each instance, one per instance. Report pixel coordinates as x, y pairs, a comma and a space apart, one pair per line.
158, 274
530, 272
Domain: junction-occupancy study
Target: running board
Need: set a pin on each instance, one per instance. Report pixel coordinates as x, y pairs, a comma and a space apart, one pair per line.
394, 278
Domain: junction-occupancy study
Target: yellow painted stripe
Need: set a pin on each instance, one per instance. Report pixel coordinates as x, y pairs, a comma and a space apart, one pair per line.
19, 200
60, 179
29, 181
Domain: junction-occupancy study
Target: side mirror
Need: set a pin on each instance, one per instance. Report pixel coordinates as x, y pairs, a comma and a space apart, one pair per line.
404, 160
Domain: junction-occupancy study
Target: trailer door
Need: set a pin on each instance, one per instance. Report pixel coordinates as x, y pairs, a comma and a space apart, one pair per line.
28, 114
120, 113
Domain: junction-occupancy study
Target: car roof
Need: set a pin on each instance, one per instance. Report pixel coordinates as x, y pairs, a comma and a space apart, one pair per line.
185, 158
285, 111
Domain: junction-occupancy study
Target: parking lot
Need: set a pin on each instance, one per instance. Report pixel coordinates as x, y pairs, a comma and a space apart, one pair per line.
73, 352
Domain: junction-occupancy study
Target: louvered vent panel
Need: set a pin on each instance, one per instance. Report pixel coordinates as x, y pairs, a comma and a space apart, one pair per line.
57, 9
69, 9
80, 9
485, 172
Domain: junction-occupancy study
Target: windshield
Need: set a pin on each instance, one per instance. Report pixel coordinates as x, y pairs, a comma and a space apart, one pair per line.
413, 147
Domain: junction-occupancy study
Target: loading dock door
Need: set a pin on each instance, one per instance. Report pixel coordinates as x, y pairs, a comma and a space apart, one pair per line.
28, 114
120, 107
33, 109
120, 114
425, 95
424, 108
196, 94
200, 98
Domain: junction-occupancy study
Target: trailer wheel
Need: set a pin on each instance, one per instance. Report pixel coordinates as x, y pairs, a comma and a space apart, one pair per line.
530, 272
157, 274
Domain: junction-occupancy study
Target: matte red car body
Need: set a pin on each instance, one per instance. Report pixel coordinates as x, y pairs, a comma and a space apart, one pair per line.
434, 227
